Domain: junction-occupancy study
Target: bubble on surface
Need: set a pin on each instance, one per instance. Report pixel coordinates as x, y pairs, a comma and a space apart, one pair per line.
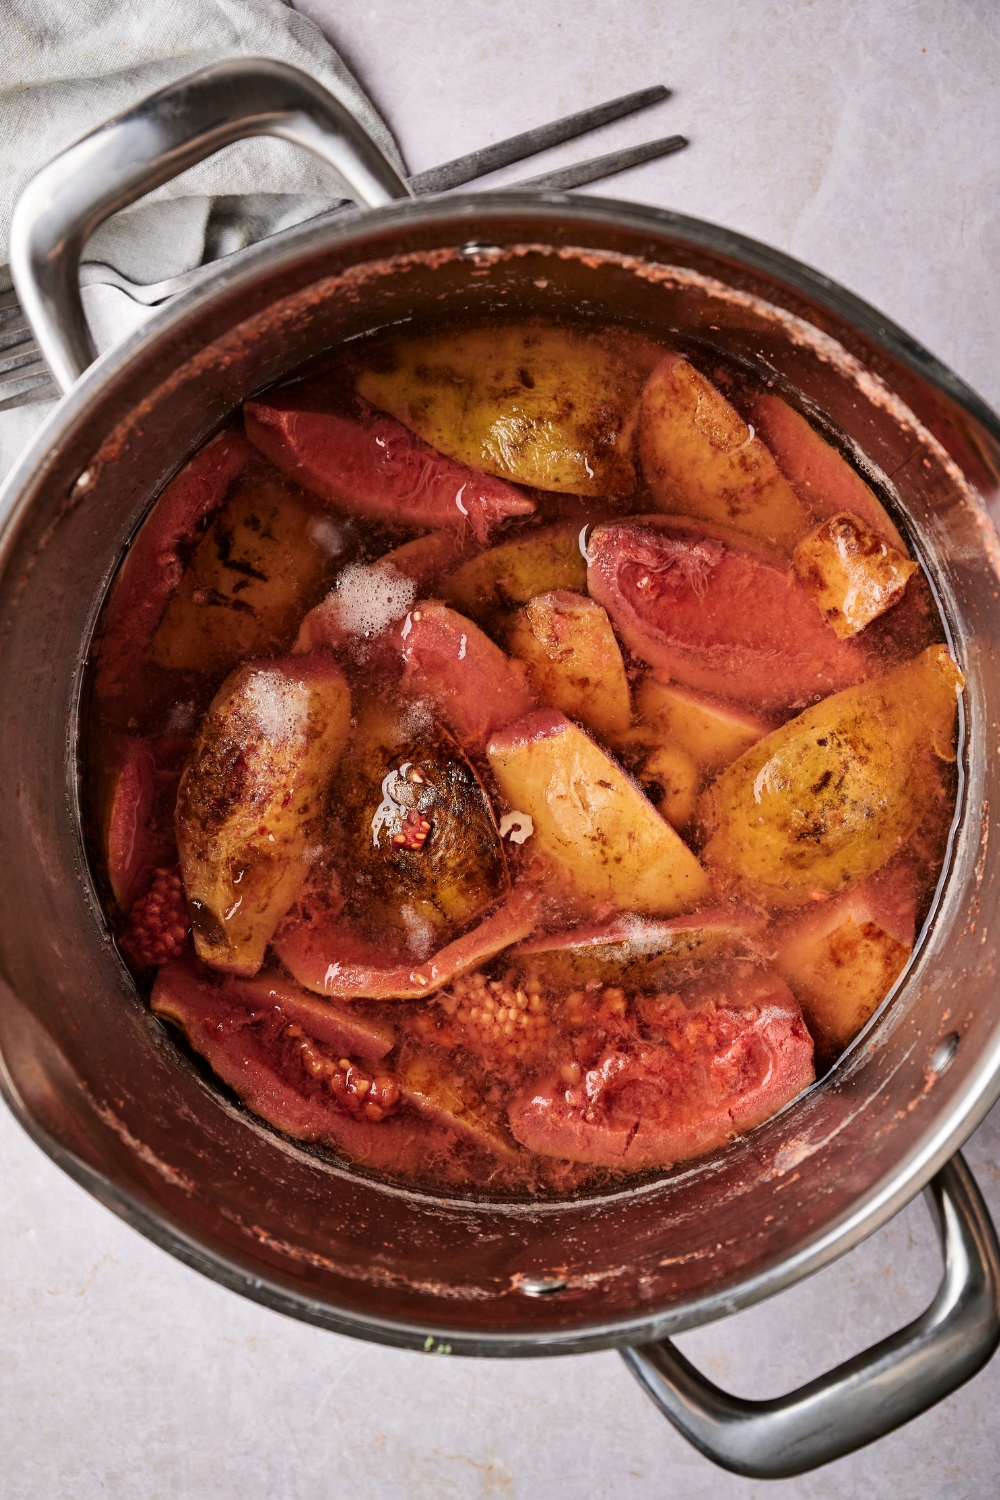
371, 596
278, 706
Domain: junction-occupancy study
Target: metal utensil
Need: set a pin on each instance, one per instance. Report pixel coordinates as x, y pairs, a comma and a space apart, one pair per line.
25, 377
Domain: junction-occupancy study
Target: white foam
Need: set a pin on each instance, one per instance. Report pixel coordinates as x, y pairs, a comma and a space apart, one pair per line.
327, 535
279, 706
371, 596
419, 932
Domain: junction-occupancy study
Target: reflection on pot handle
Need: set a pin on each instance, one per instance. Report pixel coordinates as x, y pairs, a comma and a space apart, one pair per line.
867, 1396
147, 146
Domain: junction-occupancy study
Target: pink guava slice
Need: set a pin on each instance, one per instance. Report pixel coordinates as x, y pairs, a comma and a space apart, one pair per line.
718, 611
376, 467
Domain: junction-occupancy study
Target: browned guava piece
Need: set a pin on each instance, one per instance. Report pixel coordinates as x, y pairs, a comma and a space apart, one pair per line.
822, 478
832, 795
637, 952
542, 405
850, 572
590, 821
574, 662
474, 687
331, 958
263, 559
718, 611
416, 842
491, 587
250, 797
700, 458
154, 564
714, 1068
374, 467
842, 957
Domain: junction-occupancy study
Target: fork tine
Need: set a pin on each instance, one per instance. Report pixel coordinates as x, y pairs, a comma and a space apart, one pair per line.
599, 167
531, 142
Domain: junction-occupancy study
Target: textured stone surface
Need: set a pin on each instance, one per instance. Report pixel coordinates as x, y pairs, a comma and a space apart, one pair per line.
863, 139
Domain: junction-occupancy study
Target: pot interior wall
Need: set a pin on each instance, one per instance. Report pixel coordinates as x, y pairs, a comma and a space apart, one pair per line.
107, 1091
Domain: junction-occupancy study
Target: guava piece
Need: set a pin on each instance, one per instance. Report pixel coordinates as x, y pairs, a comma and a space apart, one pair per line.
416, 840
573, 659
712, 732
331, 958
546, 406
832, 795
637, 952
130, 848
276, 997
264, 558
250, 798
255, 1051
591, 822
474, 687
430, 1086
842, 957
851, 573
718, 612
376, 467
154, 564
821, 476
700, 458
718, 1065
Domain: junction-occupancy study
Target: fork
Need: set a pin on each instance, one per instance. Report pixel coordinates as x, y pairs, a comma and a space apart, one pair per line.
24, 375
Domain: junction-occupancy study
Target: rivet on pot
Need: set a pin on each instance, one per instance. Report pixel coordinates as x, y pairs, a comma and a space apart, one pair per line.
943, 1055
541, 1286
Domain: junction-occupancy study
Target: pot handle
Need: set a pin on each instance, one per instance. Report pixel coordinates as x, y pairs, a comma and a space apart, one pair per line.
148, 145
867, 1396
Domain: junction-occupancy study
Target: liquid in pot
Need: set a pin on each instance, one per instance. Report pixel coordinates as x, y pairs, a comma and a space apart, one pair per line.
520, 756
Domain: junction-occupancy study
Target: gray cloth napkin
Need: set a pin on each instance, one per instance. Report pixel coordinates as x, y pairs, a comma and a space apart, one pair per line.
68, 65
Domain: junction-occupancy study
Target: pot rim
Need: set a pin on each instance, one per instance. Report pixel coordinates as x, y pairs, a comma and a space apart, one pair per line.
868, 1213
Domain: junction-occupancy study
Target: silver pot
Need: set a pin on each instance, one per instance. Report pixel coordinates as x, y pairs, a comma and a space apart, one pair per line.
92, 1075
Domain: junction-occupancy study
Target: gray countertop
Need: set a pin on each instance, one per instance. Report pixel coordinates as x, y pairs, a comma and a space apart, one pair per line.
862, 138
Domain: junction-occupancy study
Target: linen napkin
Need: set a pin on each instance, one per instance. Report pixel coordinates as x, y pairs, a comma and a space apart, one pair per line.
65, 68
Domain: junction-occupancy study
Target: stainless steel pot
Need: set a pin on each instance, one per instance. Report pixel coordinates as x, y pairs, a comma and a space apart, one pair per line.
93, 1077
